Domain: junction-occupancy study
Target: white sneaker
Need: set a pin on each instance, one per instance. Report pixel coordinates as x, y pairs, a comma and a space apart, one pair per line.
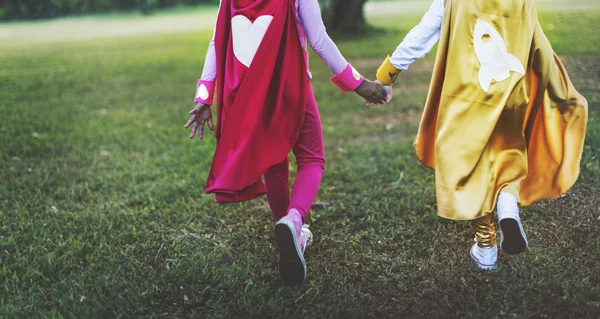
485, 257
292, 266
513, 240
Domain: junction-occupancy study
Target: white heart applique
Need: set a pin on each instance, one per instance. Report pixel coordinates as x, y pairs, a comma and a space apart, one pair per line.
202, 92
248, 36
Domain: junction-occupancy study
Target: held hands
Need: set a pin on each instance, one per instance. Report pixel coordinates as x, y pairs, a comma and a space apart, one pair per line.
374, 93
388, 93
200, 114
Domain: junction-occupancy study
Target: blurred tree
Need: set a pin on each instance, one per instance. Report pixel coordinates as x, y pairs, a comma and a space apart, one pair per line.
344, 16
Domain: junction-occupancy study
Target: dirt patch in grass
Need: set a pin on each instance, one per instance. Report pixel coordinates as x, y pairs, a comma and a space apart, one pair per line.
569, 222
581, 205
585, 74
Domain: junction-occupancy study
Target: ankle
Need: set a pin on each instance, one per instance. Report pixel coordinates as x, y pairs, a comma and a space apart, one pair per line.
294, 212
296, 217
507, 201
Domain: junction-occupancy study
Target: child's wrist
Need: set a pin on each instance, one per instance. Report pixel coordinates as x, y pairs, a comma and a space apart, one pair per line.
387, 73
205, 92
348, 80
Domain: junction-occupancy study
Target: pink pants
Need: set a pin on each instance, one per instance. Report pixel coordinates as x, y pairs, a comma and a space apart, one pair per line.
310, 162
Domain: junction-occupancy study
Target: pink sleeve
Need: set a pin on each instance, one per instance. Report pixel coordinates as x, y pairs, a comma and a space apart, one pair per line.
320, 42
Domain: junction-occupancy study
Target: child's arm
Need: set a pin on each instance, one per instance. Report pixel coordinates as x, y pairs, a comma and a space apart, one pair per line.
206, 85
417, 43
346, 77
205, 91
204, 94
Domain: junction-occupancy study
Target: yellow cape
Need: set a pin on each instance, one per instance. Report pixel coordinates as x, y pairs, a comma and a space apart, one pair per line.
525, 133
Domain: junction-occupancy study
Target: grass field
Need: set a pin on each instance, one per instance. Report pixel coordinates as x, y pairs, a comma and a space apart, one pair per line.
102, 213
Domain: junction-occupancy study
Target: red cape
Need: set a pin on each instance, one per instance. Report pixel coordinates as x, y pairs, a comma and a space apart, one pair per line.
260, 108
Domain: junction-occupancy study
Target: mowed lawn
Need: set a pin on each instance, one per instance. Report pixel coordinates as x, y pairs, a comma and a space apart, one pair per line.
102, 211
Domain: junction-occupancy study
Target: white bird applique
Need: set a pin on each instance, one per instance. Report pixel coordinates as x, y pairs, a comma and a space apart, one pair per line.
490, 49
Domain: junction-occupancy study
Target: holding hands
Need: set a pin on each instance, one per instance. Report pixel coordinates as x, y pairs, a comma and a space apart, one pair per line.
387, 74
374, 93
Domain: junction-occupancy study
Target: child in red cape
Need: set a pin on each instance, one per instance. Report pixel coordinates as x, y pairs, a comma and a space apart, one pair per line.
258, 64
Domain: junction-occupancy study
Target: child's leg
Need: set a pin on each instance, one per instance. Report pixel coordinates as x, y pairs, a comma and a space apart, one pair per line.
514, 240
485, 232
512, 189
310, 160
292, 238
278, 190
485, 251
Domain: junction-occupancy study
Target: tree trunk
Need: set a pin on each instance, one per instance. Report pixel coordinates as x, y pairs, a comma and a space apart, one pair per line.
344, 16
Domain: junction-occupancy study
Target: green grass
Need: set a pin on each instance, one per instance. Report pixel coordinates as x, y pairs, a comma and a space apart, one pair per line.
102, 213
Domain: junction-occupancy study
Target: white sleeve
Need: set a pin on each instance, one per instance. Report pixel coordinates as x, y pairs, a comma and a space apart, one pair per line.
421, 39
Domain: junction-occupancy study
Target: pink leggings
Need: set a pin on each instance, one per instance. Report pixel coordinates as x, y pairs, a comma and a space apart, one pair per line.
310, 162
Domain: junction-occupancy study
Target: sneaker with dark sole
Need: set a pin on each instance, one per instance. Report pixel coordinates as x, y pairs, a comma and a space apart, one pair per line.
292, 266
513, 240
513, 236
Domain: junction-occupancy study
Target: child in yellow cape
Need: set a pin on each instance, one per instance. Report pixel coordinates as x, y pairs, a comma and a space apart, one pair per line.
502, 124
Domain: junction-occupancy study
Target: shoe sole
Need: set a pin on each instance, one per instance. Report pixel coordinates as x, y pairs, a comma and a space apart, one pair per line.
513, 236
291, 262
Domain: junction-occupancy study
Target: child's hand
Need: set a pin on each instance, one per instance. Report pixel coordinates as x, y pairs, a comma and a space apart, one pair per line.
388, 92
200, 114
373, 93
